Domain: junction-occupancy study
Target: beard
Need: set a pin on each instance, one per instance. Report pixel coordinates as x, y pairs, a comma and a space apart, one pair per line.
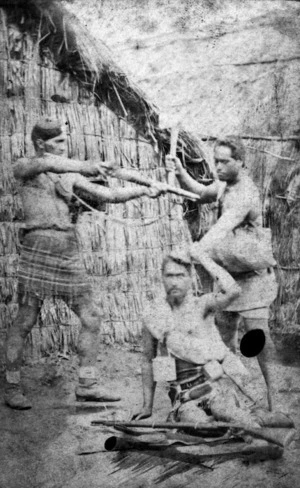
175, 299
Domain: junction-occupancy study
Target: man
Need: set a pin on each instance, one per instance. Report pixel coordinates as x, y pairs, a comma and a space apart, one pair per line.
50, 262
207, 372
239, 206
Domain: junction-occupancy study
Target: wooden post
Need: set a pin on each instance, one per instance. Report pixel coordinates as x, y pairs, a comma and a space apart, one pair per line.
173, 147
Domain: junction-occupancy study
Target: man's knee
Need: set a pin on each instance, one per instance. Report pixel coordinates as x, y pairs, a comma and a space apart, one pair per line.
25, 320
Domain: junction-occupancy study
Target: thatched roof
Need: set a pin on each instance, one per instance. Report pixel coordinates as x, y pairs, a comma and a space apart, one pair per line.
70, 47
51, 66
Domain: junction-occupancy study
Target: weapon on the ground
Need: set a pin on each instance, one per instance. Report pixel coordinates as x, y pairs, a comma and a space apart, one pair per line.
135, 177
205, 429
187, 453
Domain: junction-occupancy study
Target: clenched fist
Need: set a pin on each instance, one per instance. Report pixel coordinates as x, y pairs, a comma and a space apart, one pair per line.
173, 164
156, 189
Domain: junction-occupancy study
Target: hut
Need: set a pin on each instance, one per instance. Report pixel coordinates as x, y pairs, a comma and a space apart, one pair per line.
50, 65
223, 67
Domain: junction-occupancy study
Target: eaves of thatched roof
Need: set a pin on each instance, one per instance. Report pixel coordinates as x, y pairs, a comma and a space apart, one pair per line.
72, 50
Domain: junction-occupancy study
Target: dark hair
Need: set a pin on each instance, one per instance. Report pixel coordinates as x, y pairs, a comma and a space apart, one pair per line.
236, 145
46, 129
181, 258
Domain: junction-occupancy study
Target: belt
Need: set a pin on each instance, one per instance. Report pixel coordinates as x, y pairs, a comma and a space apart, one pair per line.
245, 274
192, 382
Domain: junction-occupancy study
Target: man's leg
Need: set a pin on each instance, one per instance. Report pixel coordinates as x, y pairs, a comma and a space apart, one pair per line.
225, 405
266, 356
88, 348
228, 325
16, 335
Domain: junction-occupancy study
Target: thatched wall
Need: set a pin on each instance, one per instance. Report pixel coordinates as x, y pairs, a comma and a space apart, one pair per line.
273, 174
122, 244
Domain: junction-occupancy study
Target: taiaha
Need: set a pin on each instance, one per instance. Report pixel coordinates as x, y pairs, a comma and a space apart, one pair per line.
207, 429
134, 177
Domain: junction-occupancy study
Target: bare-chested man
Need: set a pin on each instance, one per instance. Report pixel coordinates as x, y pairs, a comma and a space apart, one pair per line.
50, 262
239, 205
207, 373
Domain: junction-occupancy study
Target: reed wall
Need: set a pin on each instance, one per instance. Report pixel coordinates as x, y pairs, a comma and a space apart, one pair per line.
123, 244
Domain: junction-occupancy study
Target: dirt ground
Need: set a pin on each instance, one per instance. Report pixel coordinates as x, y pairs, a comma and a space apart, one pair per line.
40, 447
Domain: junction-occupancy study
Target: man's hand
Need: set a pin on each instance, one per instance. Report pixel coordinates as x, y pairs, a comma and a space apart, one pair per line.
110, 167
105, 168
156, 189
144, 414
173, 164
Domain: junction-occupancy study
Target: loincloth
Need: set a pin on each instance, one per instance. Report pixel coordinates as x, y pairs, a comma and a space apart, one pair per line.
222, 403
259, 290
203, 393
50, 266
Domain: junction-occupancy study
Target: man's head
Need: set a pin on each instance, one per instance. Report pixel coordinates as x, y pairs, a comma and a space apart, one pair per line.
48, 135
229, 156
176, 275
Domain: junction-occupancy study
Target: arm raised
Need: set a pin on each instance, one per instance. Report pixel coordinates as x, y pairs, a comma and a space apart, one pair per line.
227, 287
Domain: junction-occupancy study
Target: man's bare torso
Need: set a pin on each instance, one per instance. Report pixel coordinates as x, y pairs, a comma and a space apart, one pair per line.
45, 201
243, 193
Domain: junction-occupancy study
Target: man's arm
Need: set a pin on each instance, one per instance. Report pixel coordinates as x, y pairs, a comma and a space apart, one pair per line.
228, 289
115, 195
222, 298
29, 168
149, 352
230, 219
208, 193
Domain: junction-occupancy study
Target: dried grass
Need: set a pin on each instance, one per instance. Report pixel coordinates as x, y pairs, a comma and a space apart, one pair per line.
273, 176
123, 244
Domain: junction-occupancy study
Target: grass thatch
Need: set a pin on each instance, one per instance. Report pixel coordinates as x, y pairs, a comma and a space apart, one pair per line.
51, 66
73, 51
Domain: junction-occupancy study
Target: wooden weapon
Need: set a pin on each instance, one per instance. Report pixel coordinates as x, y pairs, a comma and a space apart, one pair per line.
135, 177
203, 429
173, 146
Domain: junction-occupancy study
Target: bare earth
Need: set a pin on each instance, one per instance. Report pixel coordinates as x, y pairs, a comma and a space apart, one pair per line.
40, 447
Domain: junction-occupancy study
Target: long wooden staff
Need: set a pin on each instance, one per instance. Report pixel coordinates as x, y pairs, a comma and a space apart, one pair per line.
173, 147
135, 177
200, 428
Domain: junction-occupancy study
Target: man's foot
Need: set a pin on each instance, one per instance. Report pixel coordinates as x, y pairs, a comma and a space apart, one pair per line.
95, 393
15, 398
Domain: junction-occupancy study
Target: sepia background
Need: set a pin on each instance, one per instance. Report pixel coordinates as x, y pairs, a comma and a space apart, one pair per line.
123, 74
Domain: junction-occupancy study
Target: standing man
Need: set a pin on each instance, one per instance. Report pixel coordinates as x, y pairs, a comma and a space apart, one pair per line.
50, 262
239, 206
